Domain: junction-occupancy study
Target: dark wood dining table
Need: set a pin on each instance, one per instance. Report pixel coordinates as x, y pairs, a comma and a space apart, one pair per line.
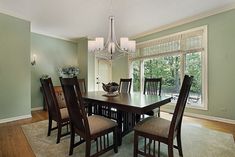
129, 107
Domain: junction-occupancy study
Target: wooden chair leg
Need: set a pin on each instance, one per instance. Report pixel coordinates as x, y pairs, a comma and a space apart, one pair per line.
170, 149
49, 127
88, 148
59, 132
135, 144
72, 137
179, 144
158, 113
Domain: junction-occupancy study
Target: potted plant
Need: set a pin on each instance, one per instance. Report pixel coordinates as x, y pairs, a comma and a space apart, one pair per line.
68, 71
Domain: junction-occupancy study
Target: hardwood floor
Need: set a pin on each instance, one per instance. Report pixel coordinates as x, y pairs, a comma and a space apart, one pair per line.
13, 143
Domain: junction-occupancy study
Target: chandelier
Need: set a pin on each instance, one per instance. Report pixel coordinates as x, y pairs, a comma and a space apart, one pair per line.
111, 49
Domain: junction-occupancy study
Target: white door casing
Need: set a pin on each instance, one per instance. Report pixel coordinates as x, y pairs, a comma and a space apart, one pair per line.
103, 73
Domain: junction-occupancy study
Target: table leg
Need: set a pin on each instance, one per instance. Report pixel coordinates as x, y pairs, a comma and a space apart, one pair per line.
119, 121
137, 118
129, 121
89, 109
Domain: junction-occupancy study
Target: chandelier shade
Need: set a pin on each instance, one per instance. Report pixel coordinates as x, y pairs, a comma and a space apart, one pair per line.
111, 49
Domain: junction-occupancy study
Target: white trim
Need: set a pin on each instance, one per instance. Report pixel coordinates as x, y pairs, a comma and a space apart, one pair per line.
16, 15
15, 118
37, 108
186, 20
204, 28
53, 36
205, 69
201, 107
218, 119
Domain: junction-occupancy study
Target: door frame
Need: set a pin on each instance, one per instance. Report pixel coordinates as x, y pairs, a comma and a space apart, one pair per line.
97, 60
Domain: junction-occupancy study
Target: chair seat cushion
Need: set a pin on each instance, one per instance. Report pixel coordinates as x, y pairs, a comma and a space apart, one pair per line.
154, 126
64, 113
99, 123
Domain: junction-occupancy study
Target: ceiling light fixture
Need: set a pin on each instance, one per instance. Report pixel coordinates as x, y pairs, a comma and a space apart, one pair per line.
111, 49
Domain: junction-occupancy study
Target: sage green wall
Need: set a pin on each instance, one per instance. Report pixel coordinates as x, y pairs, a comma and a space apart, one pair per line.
86, 62
14, 67
221, 62
120, 69
52, 53
82, 45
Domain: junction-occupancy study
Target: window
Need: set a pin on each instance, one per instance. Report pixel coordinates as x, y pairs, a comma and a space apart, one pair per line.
171, 58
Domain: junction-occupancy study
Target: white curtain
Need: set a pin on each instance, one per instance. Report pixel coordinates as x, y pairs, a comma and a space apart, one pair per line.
183, 42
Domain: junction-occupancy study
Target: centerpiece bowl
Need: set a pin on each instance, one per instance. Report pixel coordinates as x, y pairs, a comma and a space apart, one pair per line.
111, 87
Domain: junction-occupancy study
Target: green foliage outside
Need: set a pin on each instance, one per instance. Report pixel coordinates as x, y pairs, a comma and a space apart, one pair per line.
136, 75
168, 67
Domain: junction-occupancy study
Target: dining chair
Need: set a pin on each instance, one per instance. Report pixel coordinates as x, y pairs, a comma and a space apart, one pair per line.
59, 115
125, 85
153, 86
60, 96
90, 128
82, 85
161, 130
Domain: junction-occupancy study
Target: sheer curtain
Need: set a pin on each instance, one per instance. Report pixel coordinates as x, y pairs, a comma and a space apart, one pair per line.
183, 42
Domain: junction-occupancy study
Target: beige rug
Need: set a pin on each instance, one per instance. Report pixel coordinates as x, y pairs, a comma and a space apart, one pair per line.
197, 142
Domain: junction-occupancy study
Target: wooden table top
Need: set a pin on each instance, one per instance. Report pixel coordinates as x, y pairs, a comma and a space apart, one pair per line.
135, 102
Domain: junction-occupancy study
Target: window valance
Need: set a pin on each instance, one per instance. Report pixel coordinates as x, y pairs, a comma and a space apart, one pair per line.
182, 42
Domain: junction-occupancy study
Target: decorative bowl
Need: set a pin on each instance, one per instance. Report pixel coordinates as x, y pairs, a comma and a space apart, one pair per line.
110, 87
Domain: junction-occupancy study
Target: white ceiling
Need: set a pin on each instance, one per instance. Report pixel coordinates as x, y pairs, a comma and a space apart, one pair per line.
71, 19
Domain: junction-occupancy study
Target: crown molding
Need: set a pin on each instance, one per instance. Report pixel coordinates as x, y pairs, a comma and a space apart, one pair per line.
16, 15
53, 36
186, 20
13, 14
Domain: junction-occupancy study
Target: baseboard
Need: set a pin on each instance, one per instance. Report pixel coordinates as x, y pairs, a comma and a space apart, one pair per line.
218, 119
37, 108
15, 118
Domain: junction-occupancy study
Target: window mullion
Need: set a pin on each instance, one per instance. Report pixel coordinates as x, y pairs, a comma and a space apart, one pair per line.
141, 75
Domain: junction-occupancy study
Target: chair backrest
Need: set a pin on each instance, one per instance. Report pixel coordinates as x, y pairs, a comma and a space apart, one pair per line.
82, 85
60, 96
50, 98
74, 101
153, 86
180, 105
125, 85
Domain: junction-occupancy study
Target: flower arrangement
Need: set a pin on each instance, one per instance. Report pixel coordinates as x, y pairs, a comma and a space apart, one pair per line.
45, 76
68, 71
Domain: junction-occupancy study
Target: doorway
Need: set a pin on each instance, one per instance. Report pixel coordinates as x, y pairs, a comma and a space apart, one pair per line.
103, 73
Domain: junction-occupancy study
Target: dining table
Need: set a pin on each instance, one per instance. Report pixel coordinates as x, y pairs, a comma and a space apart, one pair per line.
129, 107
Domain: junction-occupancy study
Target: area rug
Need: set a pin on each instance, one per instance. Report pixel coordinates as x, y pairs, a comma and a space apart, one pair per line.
197, 142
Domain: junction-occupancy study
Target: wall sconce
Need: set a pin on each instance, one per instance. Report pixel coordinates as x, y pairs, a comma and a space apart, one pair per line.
33, 60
